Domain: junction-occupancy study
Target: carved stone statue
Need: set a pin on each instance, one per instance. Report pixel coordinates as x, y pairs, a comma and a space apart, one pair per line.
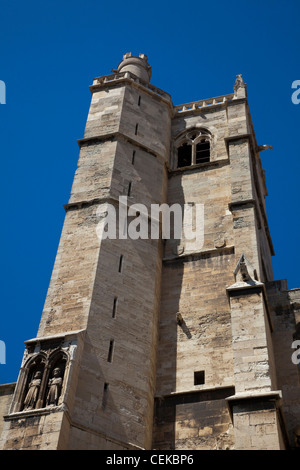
33, 391
240, 87
54, 388
239, 83
244, 271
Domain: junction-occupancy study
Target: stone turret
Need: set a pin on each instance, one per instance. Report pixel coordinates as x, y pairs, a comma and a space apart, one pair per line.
137, 65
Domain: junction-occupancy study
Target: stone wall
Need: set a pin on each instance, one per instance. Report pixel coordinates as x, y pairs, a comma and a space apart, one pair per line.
115, 393
6, 394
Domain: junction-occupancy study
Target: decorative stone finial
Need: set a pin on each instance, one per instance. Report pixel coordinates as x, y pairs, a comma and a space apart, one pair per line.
245, 276
138, 66
240, 87
244, 271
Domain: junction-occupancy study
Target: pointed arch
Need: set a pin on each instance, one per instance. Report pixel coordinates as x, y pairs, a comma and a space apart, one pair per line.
193, 147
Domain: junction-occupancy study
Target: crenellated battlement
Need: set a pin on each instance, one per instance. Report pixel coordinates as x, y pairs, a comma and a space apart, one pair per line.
194, 105
117, 78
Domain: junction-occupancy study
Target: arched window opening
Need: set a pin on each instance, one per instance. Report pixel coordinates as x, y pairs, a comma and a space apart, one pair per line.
203, 151
194, 148
184, 155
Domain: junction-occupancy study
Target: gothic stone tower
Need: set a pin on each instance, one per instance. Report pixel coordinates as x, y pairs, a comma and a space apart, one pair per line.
155, 343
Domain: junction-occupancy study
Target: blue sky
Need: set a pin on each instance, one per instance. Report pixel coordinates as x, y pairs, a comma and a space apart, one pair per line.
50, 52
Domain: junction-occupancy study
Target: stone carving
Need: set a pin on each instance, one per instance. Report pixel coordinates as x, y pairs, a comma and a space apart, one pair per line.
55, 385
178, 250
220, 241
261, 148
33, 391
43, 378
240, 87
244, 271
239, 83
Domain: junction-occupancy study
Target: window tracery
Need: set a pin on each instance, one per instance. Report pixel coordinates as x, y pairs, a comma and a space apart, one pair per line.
193, 148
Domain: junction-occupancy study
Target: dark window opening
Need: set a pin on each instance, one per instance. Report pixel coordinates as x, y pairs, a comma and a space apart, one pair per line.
133, 157
203, 151
199, 378
110, 351
139, 102
120, 263
105, 393
129, 190
184, 155
114, 307
136, 129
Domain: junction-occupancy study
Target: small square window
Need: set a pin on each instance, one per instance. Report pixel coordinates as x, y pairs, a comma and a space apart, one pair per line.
199, 377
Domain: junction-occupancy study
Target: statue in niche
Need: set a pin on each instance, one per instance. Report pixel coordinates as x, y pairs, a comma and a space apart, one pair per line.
33, 391
55, 384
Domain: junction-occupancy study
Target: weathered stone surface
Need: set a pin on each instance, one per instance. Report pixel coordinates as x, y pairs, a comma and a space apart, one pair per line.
178, 346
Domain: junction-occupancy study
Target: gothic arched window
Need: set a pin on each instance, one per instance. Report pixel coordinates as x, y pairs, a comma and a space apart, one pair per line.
193, 148
184, 155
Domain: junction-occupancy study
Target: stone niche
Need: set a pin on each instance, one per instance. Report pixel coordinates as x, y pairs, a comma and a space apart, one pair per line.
48, 367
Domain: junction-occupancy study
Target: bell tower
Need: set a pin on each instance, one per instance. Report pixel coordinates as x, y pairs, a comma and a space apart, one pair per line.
160, 342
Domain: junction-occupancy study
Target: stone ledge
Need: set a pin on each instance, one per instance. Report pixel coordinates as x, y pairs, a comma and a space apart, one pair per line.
63, 334
272, 394
241, 286
210, 103
199, 166
35, 413
254, 396
196, 395
200, 254
113, 136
